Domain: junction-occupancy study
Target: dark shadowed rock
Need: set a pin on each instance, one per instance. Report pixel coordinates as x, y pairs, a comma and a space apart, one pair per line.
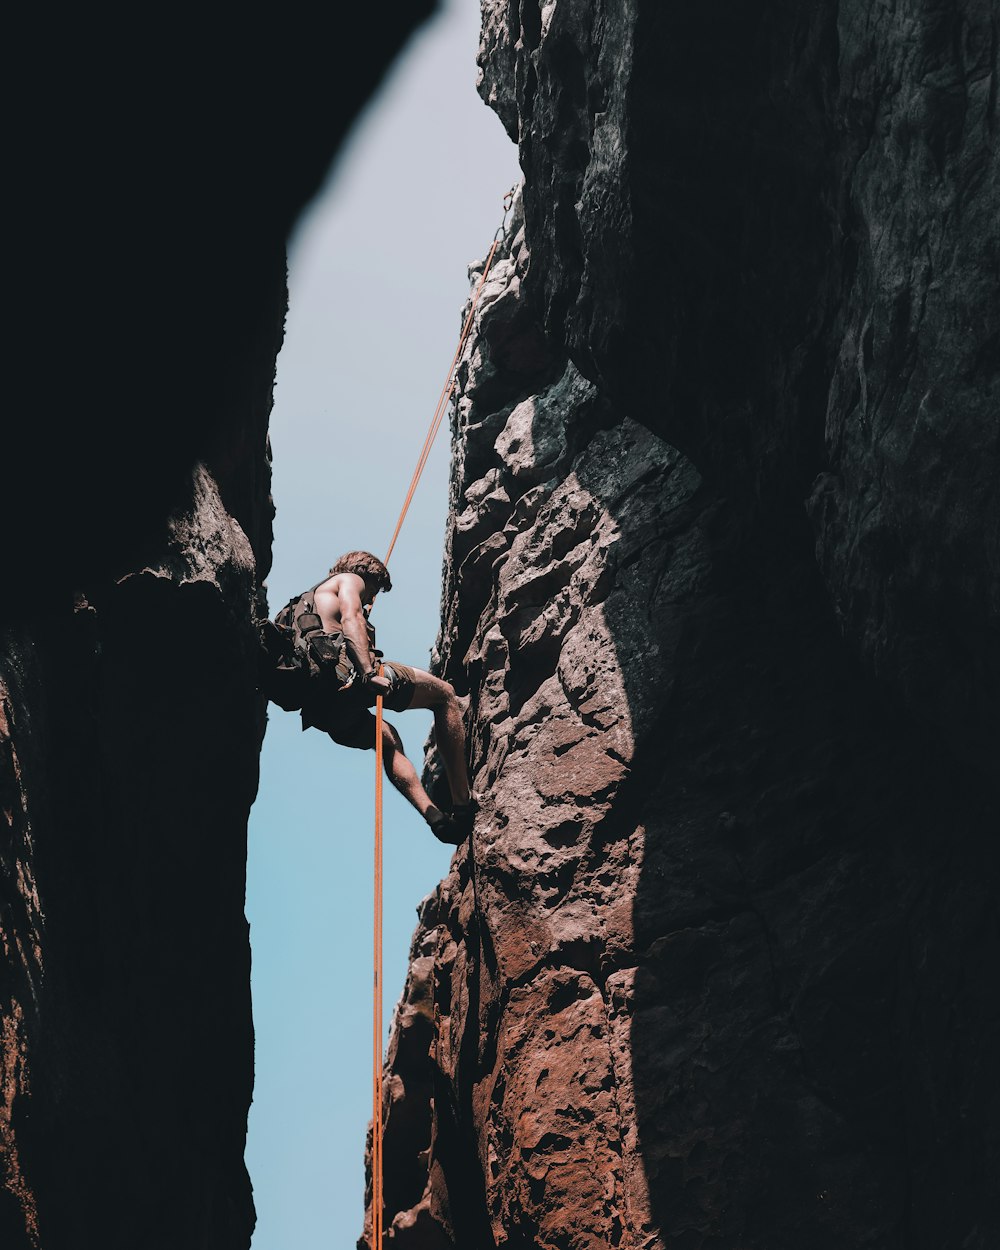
771, 237
159, 163
134, 729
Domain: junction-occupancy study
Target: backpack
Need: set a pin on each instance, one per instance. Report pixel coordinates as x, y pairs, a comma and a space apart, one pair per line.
298, 660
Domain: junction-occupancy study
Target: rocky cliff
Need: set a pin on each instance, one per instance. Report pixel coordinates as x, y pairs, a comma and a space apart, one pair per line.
719, 964
162, 164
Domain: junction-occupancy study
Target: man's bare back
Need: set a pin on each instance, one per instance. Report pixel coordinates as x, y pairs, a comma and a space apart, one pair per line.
340, 603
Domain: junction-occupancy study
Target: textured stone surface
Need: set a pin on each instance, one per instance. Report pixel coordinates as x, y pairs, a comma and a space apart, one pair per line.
133, 730
771, 237
719, 965
906, 507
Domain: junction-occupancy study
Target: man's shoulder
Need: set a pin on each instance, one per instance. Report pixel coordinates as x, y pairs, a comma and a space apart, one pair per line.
332, 582
338, 582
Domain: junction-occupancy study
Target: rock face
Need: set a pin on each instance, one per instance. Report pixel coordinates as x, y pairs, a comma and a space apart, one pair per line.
157, 188
131, 734
164, 164
718, 967
774, 237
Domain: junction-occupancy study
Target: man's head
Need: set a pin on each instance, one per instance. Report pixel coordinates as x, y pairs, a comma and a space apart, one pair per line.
365, 565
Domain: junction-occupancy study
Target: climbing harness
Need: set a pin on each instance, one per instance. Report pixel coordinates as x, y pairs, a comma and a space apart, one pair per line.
451, 380
300, 660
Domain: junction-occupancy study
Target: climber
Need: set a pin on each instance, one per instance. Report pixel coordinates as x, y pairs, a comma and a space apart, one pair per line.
342, 708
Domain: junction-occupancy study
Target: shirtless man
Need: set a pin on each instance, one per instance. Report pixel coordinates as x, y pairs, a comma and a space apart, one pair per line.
341, 602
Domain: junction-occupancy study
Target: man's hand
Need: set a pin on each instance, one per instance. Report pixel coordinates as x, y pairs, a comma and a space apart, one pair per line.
381, 685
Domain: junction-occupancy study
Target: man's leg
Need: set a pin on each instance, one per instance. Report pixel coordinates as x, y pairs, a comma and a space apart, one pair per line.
404, 777
401, 772
359, 732
440, 697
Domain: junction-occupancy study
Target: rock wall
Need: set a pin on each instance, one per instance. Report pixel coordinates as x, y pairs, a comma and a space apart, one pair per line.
718, 966
774, 236
131, 732
161, 162
160, 165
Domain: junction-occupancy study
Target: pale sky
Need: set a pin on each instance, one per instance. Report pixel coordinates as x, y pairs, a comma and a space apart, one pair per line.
378, 277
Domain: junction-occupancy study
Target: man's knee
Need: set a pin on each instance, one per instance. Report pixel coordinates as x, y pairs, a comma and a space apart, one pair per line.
431, 691
391, 741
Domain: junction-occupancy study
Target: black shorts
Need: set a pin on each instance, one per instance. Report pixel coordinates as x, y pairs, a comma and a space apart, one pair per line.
346, 716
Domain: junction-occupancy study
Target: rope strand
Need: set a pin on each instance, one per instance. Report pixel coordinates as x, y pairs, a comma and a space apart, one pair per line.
377, 1011
443, 401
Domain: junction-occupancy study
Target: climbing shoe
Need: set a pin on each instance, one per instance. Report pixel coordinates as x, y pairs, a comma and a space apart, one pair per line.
464, 817
444, 828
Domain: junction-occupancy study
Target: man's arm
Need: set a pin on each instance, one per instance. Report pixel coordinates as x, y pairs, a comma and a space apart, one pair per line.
354, 627
353, 624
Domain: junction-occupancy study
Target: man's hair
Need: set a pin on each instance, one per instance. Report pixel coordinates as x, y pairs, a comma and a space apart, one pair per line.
365, 565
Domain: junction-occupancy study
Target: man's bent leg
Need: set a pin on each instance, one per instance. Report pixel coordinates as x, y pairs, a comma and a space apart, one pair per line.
439, 696
401, 772
403, 776
360, 732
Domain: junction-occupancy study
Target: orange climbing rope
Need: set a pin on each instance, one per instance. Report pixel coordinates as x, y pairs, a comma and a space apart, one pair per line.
450, 380
377, 1014
442, 407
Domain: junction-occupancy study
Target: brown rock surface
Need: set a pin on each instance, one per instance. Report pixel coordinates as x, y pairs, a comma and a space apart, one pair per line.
719, 966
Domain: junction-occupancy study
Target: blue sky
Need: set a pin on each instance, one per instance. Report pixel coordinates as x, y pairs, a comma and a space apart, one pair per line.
377, 280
